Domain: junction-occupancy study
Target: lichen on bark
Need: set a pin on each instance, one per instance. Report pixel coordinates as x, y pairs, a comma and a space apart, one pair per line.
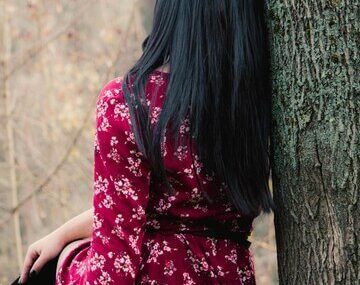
315, 140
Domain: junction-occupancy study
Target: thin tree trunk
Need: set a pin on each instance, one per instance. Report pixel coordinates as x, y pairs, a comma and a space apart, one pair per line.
316, 153
6, 38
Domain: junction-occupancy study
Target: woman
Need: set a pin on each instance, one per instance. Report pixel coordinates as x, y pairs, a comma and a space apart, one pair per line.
181, 161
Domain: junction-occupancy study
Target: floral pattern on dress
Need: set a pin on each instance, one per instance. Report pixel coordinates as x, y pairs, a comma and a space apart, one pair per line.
141, 233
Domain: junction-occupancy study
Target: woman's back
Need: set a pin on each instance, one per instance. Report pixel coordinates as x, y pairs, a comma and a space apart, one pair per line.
144, 235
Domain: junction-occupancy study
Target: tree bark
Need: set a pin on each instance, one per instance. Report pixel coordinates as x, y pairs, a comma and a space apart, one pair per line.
315, 140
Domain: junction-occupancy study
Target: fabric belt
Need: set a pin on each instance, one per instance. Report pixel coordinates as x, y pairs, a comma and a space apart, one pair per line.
213, 230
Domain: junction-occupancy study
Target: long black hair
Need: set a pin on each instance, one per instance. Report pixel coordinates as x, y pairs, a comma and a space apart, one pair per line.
220, 76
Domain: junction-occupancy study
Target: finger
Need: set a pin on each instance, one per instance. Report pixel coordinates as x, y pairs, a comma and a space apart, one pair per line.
39, 263
30, 258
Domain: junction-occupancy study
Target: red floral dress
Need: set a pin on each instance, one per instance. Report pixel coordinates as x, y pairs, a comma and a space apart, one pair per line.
142, 234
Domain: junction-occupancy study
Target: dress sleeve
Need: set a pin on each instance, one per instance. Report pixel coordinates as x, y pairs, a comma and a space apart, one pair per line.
121, 193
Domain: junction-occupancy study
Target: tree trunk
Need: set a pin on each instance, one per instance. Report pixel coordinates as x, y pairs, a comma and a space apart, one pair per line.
315, 140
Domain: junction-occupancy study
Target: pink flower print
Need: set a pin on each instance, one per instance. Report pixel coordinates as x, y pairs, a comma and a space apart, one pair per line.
122, 111
189, 172
169, 268
96, 145
107, 201
103, 127
100, 185
197, 164
245, 274
139, 212
187, 279
163, 147
123, 186
104, 278
114, 155
97, 222
101, 109
123, 263
134, 166
119, 219
155, 115
196, 196
130, 137
181, 152
157, 79
185, 127
163, 206
118, 231
154, 223
114, 141
204, 265
133, 243
97, 262
166, 246
212, 246
232, 257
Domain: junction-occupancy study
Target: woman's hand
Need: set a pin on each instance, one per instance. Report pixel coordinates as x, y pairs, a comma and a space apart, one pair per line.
40, 252
45, 249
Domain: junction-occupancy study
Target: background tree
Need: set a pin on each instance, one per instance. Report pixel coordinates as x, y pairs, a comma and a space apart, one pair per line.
316, 153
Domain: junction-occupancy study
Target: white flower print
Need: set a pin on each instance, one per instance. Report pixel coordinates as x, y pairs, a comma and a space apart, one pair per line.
155, 115
133, 240
97, 222
104, 278
185, 126
134, 165
187, 279
139, 213
181, 152
163, 147
156, 249
123, 263
197, 164
163, 204
104, 125
118, 231
101, 108
107, 201
97, 262
157, 79
123, 187
153, 223
232, 256
130, 137
169, 268
114, 155
122, 111
189, 172
100, 185
245, 274
213, 243
119, 218
114, 141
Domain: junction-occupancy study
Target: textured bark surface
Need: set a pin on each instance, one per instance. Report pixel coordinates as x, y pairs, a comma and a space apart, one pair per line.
315, 142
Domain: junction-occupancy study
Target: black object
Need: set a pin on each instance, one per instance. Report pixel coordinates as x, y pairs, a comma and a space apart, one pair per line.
46, 276
215, 229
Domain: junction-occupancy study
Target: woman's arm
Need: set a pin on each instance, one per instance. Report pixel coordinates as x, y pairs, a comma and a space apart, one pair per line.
45, 249
77, 228
121, 193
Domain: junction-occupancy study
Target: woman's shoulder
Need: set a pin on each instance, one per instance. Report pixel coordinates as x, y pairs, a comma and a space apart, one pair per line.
112, 111
112, 89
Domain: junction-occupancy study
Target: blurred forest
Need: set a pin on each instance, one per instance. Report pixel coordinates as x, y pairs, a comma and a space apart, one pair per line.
55, 57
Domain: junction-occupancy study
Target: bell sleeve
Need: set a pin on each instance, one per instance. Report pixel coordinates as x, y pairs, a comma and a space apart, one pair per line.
120, 193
